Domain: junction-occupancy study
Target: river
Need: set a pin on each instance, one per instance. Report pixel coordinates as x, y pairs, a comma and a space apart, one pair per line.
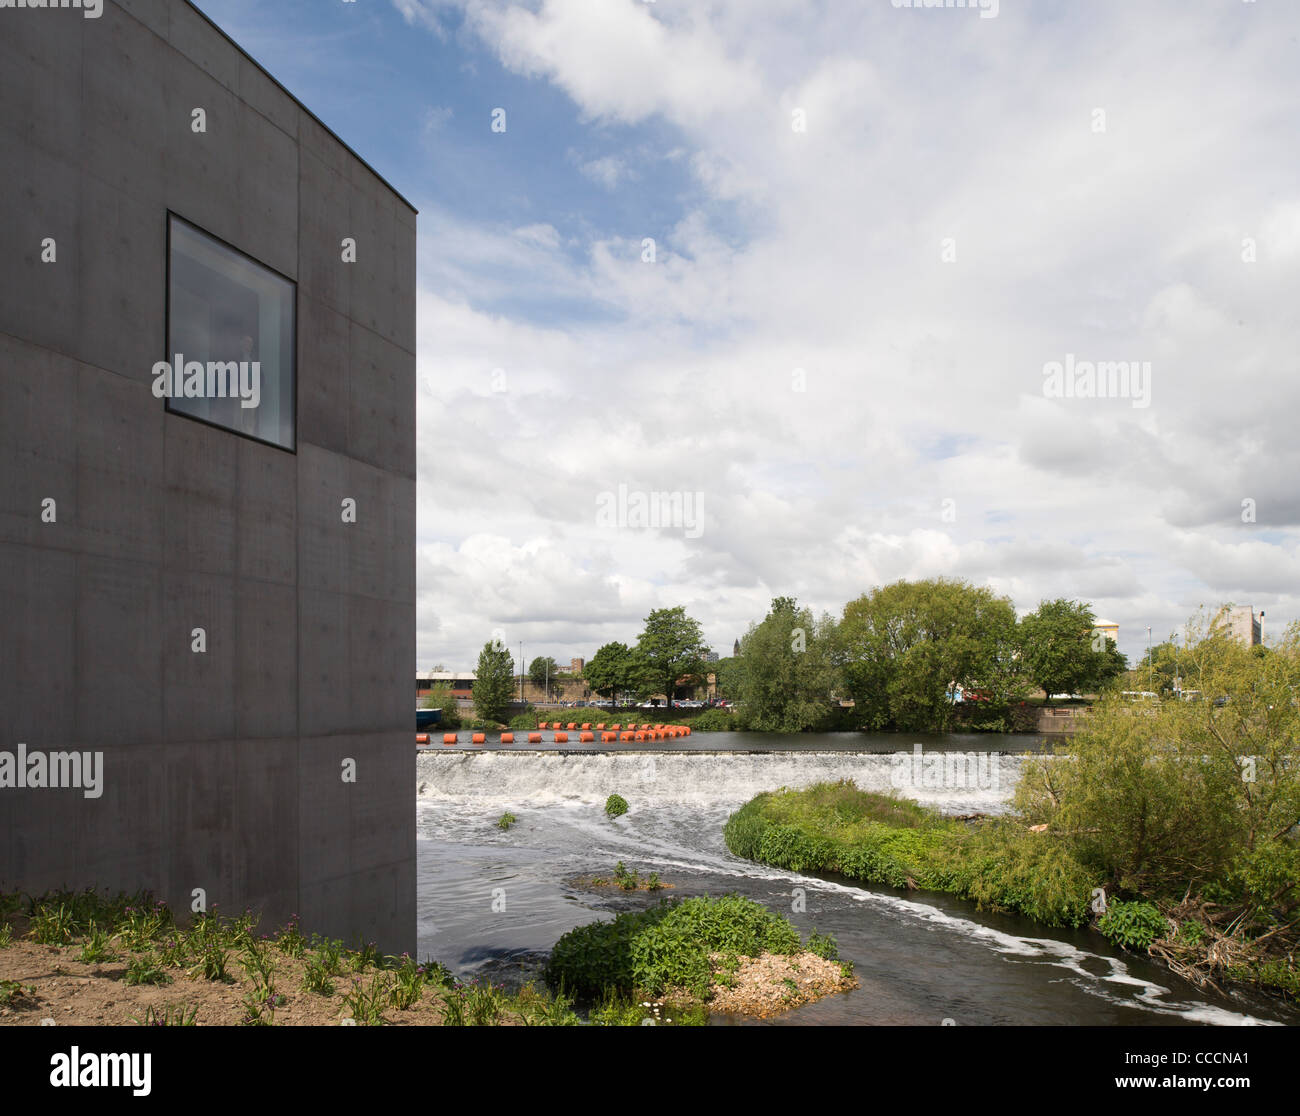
491, 902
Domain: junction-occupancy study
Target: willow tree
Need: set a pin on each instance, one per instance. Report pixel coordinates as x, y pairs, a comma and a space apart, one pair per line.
787, 678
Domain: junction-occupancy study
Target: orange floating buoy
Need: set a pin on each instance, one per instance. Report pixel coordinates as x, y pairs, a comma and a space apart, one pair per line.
600, 726
626, 735
507, 738
449, 738
478, 738
608, 737
586, 738
422, 738
561, 738
659, 726
639, 736
584, 726
646, 728
534, 738
615, 728
570, 725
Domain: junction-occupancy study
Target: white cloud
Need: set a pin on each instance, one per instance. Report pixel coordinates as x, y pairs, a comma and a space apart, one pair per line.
606, 171
922, 379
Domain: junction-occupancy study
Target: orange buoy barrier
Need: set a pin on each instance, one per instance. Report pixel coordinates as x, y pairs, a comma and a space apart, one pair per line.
615, 728
422, 738
600, 726
507, 738
478, 738
626, 735
561, 738
608, 737
449, 738
659, 726
534, 738
645, 728
585, 726
639, 736
587, 738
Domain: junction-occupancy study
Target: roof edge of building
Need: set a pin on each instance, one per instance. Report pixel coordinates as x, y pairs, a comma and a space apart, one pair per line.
288, 93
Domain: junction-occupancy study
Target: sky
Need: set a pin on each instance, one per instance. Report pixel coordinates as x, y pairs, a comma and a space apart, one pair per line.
754, 298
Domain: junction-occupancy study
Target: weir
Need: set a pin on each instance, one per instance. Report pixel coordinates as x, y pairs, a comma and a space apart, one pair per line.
701, 778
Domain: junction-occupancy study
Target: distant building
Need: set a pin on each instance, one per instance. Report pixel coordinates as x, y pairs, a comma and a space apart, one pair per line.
1108, 628
461, 682
711, 657
576, 666
735, 649
1242, 624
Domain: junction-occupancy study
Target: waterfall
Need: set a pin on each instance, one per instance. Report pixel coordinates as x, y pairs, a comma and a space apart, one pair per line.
954, 782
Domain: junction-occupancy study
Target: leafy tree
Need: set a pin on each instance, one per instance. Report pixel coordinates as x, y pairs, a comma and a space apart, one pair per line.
1198, 798
544, 673
671, 647
1157, 669
905, 645
614, 669
788, 675
1059, 650
494, 681
728, 674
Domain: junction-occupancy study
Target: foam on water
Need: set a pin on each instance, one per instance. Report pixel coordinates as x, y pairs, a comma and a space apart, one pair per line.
962, 782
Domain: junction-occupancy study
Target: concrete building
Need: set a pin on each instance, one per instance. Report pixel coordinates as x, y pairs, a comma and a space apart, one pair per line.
1243, 624
217, 600
461, 684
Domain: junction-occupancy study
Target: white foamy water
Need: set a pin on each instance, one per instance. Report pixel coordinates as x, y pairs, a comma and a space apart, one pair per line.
954, 782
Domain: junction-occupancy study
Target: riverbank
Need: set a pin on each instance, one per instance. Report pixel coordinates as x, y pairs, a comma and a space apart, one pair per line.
88, 960
1002, 865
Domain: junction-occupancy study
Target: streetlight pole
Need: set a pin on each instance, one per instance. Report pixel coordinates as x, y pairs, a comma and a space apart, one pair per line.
1151, 662
521, 672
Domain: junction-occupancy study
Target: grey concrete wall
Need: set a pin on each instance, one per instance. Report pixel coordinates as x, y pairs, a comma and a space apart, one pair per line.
222, 769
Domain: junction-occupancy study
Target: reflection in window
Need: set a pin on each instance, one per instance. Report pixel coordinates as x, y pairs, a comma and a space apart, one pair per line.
234, 317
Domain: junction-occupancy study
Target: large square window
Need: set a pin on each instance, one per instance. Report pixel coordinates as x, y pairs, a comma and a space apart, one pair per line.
230, 338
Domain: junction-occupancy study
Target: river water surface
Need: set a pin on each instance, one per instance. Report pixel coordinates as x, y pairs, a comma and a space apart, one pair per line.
492, 901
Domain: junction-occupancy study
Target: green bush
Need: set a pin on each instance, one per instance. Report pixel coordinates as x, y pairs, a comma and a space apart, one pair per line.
1133, 925
824, 945
440, 697
665, 947
615, 805
713, 720
879, 839
524, 722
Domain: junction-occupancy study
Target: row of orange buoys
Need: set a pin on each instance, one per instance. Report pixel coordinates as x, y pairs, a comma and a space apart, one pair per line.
586, 734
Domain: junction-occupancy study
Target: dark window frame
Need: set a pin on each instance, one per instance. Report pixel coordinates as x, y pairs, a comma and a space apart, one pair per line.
172, 215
